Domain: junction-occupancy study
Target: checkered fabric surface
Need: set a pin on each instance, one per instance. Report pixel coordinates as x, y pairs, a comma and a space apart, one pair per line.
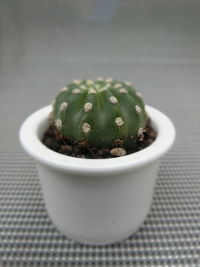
45, 44
170, 235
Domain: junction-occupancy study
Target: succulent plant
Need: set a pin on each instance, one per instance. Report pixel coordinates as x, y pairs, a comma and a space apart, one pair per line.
103, 113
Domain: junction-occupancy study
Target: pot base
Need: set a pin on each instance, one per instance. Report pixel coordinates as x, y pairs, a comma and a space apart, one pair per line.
98, 210
84, 241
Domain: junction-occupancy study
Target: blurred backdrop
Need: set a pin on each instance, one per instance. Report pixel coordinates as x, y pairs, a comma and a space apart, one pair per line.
155, 44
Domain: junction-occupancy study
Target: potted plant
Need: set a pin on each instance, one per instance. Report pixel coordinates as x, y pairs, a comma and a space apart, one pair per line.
105, 200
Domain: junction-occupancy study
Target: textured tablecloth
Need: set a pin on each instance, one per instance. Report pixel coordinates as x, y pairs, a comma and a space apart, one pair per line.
43, 45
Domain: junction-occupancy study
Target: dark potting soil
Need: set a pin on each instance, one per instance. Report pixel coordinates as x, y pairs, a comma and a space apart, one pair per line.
58, 143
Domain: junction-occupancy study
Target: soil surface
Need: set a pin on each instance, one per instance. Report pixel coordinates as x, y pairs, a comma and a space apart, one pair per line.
56, 142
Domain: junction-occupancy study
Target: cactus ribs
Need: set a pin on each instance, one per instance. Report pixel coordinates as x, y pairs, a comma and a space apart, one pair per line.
101, 118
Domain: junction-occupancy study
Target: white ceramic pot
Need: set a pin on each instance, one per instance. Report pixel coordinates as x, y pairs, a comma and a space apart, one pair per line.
97, 201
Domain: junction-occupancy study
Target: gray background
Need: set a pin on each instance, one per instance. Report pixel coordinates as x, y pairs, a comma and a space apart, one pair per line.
44, 44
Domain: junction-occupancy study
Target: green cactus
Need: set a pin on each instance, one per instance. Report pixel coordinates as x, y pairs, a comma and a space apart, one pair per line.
104, 113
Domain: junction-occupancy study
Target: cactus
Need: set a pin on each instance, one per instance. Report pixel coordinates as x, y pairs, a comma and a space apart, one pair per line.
102, 113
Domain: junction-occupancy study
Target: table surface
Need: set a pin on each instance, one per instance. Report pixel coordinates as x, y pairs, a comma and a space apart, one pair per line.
155, 45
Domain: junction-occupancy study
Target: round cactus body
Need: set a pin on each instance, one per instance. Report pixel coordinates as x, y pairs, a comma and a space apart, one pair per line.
103, 113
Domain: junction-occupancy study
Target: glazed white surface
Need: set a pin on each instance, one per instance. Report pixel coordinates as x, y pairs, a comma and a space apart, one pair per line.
97, 201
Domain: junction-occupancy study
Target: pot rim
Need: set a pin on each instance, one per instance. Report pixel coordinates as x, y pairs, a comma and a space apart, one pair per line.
29, 138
